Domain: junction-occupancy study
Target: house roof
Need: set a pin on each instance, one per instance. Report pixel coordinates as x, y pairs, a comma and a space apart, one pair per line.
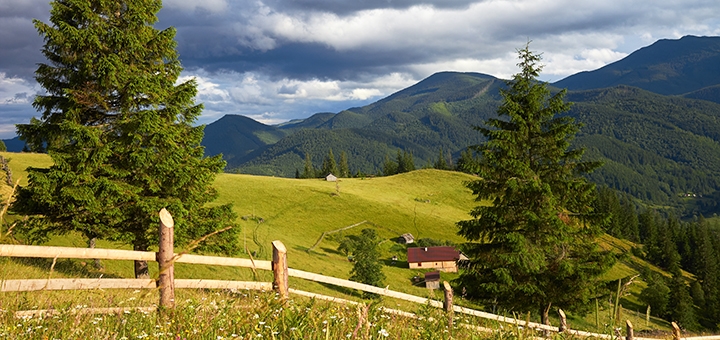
432, 254
432, 276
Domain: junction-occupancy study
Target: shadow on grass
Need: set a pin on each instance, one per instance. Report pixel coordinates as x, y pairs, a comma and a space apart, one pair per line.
71, 267
343, 290
331, 251
307, 250
396, 263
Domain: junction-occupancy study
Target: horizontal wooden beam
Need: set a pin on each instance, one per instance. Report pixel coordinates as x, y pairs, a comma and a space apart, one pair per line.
222, 284
75, 284
361, 286
223, 261
15, 250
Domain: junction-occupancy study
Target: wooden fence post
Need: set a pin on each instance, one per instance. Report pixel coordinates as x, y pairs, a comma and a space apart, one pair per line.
676, 331
164, 257
448, 304
280, 269
629, 329
563, 321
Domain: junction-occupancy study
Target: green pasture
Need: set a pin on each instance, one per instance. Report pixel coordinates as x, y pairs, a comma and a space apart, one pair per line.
426, 203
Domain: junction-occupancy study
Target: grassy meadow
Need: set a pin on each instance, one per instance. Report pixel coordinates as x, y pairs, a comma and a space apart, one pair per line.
426, 203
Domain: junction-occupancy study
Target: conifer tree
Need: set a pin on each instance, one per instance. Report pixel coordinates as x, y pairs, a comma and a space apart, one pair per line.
119, 129
682, 310
389, 167
441, 163
309, 169
405, 162
344, 167
656, 294
533, 247
329, 165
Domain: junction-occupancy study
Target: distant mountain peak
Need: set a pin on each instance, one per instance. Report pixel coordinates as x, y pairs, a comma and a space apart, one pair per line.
668, 66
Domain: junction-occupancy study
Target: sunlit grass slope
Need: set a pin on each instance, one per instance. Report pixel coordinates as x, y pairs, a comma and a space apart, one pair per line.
425, 203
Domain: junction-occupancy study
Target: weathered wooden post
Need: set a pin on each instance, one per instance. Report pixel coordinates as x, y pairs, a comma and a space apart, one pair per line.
676, 331
563, 321
448, 304
629, 330
280, 269
164, 257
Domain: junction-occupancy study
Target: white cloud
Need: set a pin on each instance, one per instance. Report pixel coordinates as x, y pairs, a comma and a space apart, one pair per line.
14, 90
212, 6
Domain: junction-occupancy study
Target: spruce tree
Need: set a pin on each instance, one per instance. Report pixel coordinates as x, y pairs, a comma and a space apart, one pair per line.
533, 247
389, 167
405, 162
344, 168
309, 169
441, 163
119, 129
682, 310
329, 165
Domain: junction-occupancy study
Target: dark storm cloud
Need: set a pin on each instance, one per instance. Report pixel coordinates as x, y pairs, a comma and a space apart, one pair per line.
282, 59
305, 61
19, 41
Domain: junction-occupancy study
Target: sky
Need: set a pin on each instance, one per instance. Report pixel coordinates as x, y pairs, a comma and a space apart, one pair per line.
277, 60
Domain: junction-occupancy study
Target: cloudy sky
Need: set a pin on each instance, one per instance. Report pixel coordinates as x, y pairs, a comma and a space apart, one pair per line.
276, 60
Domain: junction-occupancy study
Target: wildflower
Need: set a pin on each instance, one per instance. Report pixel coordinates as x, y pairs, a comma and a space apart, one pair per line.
383, 332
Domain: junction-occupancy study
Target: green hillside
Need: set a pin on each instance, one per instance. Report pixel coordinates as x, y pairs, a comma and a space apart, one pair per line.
657, 148
426, 203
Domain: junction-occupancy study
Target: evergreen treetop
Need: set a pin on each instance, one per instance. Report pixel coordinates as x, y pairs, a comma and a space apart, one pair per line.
531, 248
119, 131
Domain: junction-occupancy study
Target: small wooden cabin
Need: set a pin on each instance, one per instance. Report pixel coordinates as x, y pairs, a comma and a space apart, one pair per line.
331, 178
441, 258
432, 280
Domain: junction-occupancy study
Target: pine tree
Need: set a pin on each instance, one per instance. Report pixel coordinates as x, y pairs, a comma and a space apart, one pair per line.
441, 163
389, 167
405, 162
344, 167
629, 219
682, 310
308, 170
532, 248
2, 146
120, 132
466, 163
707, 274
656, 295
329, 166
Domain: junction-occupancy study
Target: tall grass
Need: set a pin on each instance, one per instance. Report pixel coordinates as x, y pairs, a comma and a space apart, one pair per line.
241, 315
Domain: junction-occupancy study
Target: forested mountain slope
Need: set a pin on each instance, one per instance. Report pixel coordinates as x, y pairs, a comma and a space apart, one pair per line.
660, 148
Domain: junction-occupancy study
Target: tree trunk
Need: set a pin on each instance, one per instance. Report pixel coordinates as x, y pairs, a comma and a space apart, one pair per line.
545, 315
141, 267
545, 318
91, 245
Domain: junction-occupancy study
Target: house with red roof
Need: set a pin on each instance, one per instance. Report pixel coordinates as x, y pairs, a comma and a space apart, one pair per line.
440, 258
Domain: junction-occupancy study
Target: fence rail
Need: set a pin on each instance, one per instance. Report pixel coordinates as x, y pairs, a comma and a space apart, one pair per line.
166, 283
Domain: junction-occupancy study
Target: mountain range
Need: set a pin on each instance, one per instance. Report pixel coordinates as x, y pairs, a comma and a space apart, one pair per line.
653, 118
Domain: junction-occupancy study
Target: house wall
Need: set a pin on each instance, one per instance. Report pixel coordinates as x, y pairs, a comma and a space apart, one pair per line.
443, 266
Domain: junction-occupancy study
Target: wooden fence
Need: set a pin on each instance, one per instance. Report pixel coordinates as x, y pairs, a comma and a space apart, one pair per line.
166, 282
